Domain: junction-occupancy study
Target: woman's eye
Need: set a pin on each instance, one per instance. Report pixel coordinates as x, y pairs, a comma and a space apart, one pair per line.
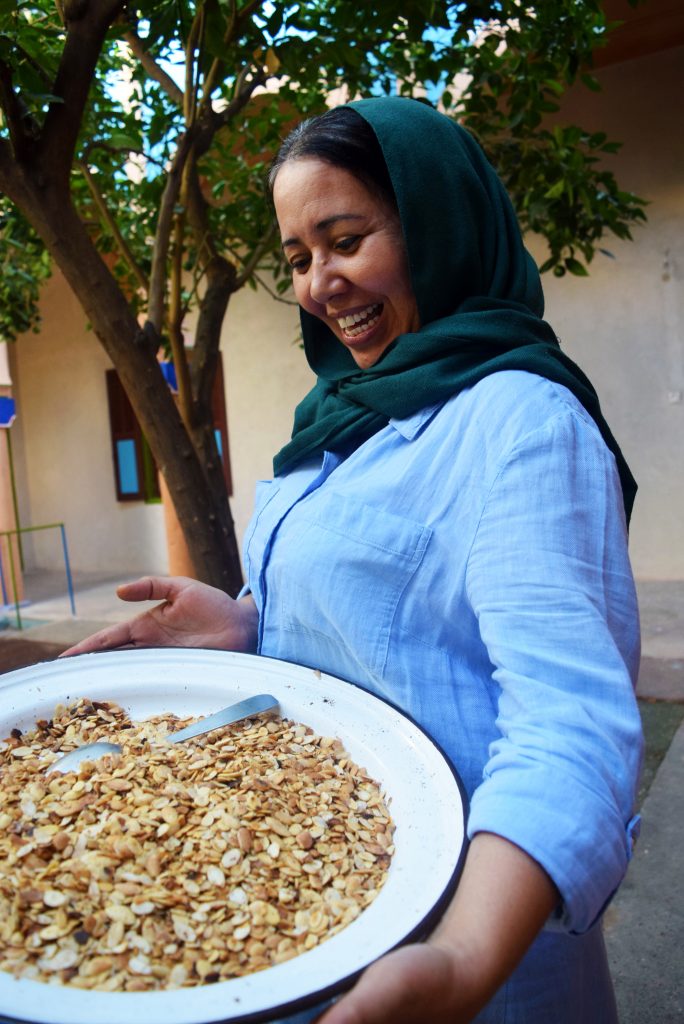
348, 244
299, 263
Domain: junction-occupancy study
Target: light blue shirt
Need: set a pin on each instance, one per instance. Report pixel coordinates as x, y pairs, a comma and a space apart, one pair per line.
469, 563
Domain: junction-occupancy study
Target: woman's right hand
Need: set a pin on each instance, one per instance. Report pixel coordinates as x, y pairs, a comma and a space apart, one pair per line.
191, 614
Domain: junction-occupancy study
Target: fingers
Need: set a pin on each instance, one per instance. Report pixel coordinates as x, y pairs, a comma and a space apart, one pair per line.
373, 1003
106, 639
409, 986
153, 588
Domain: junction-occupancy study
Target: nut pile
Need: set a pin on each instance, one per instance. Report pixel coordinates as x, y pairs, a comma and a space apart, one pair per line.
180, 864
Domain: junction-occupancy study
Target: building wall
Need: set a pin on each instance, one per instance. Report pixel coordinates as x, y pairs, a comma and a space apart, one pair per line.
624, 324
266, 375
63, 450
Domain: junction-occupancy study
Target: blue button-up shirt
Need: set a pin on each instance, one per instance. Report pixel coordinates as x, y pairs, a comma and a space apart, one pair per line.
470, 564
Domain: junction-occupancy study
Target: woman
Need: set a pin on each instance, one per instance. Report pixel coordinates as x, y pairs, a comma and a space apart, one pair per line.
446, 528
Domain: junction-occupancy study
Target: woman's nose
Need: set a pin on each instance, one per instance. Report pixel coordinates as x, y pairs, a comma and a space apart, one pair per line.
326, 281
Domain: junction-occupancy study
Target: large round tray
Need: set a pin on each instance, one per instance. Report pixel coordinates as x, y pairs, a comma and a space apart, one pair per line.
427, 804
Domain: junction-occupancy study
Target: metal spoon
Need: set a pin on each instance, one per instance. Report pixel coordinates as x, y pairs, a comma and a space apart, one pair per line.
255, 705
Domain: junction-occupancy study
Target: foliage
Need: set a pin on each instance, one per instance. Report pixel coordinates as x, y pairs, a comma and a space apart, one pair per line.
194, 60
554, 172
24, 265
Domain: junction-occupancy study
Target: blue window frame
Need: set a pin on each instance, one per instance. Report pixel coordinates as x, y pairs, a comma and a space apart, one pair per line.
135, 473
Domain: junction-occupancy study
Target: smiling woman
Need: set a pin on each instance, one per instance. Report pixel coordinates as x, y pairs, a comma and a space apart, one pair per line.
448, 518
347, 253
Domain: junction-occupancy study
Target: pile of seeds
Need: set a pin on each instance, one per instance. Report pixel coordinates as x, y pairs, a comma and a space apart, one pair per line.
180, 864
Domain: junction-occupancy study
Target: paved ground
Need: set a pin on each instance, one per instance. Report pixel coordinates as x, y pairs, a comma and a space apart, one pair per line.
17, 652
645, 922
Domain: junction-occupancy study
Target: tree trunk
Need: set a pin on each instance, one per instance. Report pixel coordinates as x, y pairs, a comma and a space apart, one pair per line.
208, 529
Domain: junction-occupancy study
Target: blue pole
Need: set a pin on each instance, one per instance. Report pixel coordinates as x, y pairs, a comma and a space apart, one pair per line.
70, 585
13, 578
2, 580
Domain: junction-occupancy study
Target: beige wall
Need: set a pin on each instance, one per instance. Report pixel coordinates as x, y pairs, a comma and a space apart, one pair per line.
266, 375
63, 450
624, 324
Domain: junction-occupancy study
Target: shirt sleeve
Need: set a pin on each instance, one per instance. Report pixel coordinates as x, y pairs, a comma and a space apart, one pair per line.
549, 580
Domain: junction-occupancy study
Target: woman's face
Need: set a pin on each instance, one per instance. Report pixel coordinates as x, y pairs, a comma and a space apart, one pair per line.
347, 255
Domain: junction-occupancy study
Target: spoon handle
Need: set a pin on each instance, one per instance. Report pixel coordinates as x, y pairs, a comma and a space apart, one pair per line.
244, 709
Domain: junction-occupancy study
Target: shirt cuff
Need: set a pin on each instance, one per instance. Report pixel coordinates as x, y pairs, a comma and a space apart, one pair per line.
560, 920
587, 869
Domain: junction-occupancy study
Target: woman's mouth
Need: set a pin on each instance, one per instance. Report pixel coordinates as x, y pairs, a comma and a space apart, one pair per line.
358, 323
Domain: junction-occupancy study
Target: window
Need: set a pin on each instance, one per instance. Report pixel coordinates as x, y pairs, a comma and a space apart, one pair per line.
135, 471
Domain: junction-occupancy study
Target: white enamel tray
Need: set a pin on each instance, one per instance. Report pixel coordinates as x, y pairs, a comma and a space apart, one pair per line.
427, 803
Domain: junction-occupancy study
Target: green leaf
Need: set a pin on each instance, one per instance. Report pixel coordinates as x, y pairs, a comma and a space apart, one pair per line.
575, 267
556, 87
120, 140
555, 191
591, 82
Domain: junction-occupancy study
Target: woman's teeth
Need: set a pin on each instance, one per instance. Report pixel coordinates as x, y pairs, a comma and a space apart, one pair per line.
357, 323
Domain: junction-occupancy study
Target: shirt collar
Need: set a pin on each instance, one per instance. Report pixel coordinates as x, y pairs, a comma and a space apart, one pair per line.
410, 426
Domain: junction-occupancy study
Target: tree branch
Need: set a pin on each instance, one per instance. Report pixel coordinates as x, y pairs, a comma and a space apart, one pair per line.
23, 130
220, 286
192, 292
190, 96
163, 235
253, 261
274, 295
176, 314
212, 75
29, 59
6, 165
153, 69
208, 121
247, 11
234, 25
121, 243
87, 24
241, 99
196, 206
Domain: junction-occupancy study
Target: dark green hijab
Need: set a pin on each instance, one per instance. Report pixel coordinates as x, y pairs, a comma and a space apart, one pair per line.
478, 292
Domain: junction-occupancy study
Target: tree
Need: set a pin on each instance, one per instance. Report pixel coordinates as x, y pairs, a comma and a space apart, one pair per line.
134, 142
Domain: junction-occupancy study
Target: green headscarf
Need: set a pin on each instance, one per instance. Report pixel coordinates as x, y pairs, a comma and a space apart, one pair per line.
478, 292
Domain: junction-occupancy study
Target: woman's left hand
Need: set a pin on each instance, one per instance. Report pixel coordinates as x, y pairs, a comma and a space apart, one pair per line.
411, 985
502, 900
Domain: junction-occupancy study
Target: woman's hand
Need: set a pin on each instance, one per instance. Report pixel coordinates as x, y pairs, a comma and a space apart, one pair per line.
412, 985
503, 899
191, 614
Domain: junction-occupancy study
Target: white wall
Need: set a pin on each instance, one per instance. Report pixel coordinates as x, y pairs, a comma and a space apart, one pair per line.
266, 375
63, 451
624, 324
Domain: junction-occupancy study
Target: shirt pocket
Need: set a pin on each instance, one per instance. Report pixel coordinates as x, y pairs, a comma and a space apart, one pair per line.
348, 564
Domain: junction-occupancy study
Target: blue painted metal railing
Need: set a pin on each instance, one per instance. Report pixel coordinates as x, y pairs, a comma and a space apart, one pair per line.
13, 574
